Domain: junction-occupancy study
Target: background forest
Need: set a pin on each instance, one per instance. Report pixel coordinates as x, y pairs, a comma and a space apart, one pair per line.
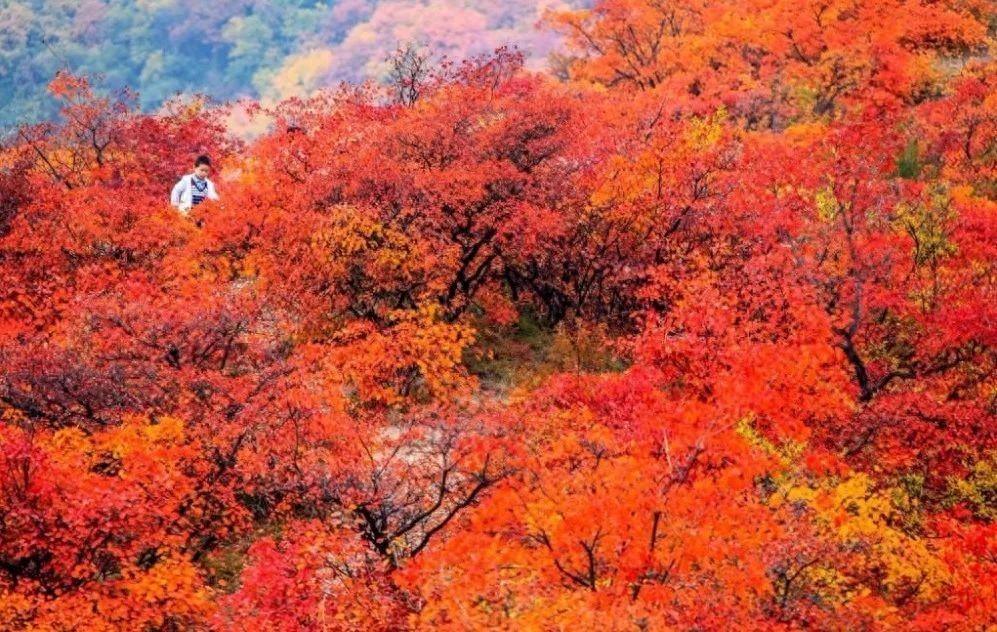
693, 330
228, 49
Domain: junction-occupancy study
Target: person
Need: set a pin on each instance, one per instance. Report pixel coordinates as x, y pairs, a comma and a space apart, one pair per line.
195, 187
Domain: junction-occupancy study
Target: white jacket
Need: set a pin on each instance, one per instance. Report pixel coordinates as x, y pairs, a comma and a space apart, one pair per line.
182, 196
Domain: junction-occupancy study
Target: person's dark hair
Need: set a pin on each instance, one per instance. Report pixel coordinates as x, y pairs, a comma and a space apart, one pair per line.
202, 160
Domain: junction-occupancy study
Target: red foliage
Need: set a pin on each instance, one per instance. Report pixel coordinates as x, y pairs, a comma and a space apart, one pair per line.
697, 339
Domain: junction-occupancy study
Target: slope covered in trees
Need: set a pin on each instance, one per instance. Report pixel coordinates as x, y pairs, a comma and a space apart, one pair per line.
699, 335
229, 49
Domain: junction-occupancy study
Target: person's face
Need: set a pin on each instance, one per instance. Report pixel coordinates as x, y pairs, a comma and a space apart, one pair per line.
202, 171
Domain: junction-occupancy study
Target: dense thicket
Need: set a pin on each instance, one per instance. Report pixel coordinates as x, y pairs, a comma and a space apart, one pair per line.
698, 336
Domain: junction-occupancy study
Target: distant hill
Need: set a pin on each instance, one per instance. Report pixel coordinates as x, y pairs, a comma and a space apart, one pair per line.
232, 48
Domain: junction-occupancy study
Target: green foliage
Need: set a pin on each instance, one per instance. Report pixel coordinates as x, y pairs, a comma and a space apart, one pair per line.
978, 491
527, 351
506, 356
231, 49
164, 48
927, 223
909, 161
908, 499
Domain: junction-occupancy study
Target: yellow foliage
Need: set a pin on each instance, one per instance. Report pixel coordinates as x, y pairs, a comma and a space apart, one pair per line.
704, 132
826, 204
301, 74
979, 489
862, 521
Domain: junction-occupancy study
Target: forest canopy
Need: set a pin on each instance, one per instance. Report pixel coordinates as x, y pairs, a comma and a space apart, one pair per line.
694, 330
228, 49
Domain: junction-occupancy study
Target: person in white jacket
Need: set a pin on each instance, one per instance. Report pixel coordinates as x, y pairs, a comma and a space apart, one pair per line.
194, 187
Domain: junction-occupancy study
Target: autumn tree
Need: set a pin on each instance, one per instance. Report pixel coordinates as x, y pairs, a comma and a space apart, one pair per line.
697, 336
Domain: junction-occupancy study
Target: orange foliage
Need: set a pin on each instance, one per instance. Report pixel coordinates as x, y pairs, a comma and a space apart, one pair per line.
699, 337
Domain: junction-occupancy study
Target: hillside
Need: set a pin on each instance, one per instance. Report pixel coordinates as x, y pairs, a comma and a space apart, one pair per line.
231, 49
698, 332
